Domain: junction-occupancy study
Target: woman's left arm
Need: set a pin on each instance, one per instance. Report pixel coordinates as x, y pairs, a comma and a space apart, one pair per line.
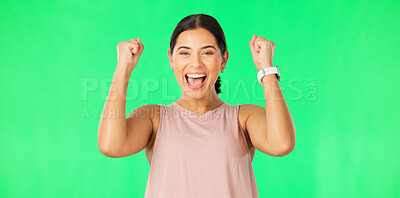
271, 129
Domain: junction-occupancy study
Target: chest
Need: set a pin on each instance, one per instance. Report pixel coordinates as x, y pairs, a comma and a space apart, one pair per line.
220, 140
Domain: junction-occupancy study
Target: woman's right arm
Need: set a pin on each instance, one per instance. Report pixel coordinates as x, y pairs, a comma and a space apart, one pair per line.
113, 139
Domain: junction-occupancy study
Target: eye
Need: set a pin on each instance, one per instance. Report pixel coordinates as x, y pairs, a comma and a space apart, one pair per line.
183, 53
208, 53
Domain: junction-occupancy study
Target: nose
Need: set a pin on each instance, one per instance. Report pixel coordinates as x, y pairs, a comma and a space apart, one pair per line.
196, 60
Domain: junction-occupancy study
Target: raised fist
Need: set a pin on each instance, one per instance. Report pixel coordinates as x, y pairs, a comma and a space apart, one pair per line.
128, 53
262, 51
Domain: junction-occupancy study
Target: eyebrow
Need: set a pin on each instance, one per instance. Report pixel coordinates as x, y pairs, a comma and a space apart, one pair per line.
204, 47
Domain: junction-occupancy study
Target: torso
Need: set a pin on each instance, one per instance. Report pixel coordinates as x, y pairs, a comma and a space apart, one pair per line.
244, 112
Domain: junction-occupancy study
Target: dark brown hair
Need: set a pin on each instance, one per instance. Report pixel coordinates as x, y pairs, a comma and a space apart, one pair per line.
201, 21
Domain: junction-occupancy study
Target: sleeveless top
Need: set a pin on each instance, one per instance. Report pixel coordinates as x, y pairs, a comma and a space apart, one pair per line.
200, 156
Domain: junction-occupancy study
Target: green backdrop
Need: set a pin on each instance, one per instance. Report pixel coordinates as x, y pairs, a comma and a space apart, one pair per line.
339, 62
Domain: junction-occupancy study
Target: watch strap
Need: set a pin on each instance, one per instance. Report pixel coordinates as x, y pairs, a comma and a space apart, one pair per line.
266, 71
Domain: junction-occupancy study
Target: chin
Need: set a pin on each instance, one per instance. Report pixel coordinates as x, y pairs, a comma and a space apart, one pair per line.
196, 93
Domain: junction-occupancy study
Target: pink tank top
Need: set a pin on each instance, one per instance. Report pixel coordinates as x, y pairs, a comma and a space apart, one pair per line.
200, 156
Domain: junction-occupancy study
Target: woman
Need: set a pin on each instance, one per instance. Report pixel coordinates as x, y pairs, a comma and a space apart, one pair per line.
197, 146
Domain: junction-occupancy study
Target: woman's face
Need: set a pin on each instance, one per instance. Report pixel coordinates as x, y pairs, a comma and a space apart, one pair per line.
196, 52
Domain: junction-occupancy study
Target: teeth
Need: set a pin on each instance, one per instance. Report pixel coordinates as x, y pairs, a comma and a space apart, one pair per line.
195, 75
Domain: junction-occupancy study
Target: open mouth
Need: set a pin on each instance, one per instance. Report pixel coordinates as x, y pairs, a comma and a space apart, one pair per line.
195, 81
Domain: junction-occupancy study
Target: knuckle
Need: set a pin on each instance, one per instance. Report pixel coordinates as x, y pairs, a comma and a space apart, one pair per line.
135, 43
121, 43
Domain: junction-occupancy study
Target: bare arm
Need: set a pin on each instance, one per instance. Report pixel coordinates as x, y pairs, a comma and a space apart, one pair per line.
113, 127
271, 129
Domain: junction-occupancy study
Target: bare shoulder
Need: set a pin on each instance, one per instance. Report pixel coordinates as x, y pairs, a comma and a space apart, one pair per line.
145, 111
148, 113
245, 110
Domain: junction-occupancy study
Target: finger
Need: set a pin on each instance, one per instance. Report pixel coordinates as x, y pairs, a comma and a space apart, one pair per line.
134, 48
133, 41
257, 45
260, 38
273, 50
251, 43
140, 45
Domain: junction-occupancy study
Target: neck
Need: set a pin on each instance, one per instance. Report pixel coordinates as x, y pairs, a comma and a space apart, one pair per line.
200, 105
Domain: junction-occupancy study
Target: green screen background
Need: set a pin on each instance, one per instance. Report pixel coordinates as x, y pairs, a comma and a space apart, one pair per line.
339, 62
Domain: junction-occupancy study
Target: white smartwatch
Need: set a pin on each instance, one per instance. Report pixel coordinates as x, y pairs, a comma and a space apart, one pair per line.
266, 71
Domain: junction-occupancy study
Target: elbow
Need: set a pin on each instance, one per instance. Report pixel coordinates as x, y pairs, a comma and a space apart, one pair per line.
104, 150
112, 156
108, 152
285, 150
107, 148
287, 147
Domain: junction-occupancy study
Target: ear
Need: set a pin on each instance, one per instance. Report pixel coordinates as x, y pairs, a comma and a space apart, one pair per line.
225, 59
170, 57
